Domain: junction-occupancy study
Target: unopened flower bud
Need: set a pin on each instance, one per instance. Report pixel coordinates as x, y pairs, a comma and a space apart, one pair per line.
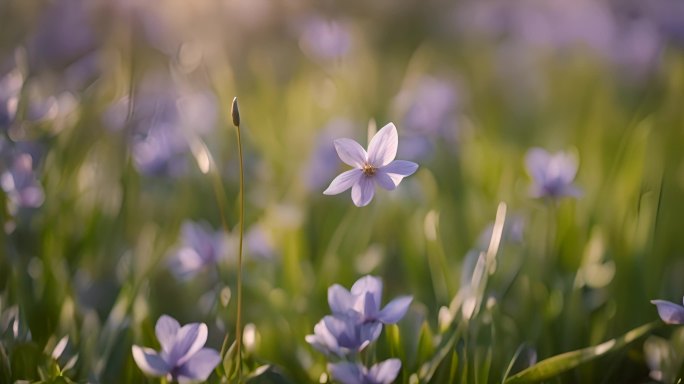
235, 112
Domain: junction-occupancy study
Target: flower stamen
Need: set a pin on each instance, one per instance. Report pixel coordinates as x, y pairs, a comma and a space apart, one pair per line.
368, 170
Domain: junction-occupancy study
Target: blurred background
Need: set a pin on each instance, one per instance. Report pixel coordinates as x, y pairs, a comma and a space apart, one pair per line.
112, 111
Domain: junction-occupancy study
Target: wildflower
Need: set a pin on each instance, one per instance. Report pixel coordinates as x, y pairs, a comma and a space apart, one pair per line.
342, 335
552, 174
669, 312
377, 165
354, 373
200, 247
363, 302
20, 184
182, 357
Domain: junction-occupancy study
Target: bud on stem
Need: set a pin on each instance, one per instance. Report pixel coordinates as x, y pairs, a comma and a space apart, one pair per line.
235, 112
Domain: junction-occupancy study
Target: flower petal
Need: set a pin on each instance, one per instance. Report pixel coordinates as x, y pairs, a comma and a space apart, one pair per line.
384, 372
371, 284
395, 310
363, 191
351, 152
199, 366
346, 372
382, 148
343, 181
190, 339
670, 313
536, 161
150, 361
384, 180
400, 167
340, 300
166, 329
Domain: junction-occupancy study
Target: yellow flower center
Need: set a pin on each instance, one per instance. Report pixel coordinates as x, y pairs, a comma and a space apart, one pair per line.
368, 170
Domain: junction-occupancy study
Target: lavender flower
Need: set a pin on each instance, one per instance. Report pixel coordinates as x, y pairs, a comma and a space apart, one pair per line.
200, 247
552, 174
363, 302
343, 335
20, 184
354, 373
10, 86
182, 357
669, 312
325, 40
377, 165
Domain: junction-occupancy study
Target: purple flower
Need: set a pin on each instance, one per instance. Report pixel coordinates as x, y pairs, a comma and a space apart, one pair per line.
363, 302
669, 312
341, 336
20, 183
325, 40
182, 357
354, 373
10, 86
552, 174
375, 166
200, 247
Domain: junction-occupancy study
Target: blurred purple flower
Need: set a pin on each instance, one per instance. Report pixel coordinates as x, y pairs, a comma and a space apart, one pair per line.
161, 151
200, 247
20, 183
182, 357
324, 40
342, 335
10, 86
552, 174
429, 110
363, 302
259, 243
354, 373
375, 166
64, 34
669, 312
163, 116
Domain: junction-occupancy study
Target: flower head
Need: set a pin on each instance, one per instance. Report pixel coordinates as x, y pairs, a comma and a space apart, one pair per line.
552, 174
182, 357
669, 312
363, 302
375, 166
354, 373
201, 247
342, 335
20, 184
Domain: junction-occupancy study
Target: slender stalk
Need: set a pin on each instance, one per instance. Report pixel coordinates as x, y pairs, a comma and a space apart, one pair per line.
235, 112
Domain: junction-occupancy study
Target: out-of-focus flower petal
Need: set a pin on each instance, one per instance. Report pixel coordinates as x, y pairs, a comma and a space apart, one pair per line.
351, 152
363, 191
343, 181
536, 160
346, 372
199, 366
395, 310
189, 339
669, 312
382, 148
370, 284
166, 330
339, 299
149, 361
384, 372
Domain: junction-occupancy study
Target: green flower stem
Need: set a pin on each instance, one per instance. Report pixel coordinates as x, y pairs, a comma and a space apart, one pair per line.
238, 326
